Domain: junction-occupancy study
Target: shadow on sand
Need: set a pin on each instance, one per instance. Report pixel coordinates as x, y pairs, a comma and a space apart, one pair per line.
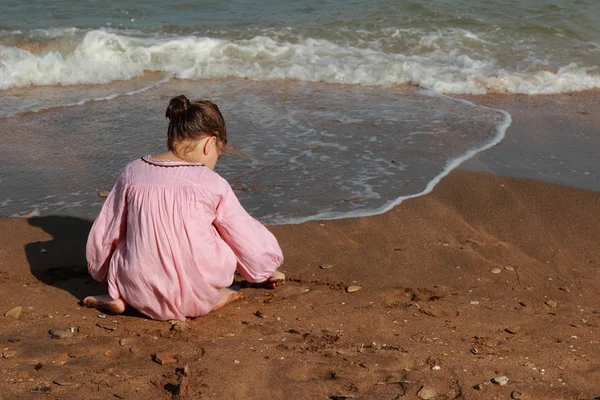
61, 262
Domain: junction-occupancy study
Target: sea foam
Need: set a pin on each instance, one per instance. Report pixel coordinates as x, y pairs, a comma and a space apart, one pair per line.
453, 61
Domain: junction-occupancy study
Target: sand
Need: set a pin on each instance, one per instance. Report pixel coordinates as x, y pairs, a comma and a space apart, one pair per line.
487, 276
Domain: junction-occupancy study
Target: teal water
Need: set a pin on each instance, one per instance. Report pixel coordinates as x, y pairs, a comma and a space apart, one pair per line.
449, 46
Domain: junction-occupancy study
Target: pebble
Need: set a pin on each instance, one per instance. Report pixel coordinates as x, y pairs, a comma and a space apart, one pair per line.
513, 329
479, 386
123, 342
8, 354
516, 395
101, 316
426, 393
43, 251
164, 359
474, 302
108, 327
551, 303
495, 270
326, 266
14, 313
178, 326
352, 289
26, 213
596, 311
60, 382
60, 334
522, 303
500, 380
509, 268
103, 193
565, 289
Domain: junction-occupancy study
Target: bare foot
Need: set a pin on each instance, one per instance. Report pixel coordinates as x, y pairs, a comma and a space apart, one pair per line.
228, 296
275, 280
105, 303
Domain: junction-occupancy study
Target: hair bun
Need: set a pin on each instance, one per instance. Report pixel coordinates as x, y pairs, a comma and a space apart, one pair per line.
177, 107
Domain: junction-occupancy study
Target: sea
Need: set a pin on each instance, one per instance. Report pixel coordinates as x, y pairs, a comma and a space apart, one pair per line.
334, 108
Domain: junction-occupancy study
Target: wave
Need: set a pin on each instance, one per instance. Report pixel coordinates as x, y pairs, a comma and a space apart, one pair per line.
462, 64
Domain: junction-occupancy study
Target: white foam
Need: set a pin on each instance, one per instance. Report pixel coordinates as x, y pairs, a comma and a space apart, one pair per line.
445, 62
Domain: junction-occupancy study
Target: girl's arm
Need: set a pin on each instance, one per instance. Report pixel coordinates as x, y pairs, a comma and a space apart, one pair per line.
108, 229
256, 249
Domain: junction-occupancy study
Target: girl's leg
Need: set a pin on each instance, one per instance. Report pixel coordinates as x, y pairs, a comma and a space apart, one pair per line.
105, 303
228, 296
275, 280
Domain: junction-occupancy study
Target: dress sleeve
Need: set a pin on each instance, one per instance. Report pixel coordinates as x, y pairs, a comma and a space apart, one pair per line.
257, 251
108, 230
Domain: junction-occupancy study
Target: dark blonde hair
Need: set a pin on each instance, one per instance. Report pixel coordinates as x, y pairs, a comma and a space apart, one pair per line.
194, 120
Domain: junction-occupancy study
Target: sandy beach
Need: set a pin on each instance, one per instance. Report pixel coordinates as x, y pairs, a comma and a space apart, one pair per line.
488, 276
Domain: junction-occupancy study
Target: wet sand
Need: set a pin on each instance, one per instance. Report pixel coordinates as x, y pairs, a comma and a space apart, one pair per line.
487, 276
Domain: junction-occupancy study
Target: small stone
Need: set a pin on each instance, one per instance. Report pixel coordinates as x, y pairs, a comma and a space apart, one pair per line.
38, 366
596, 311
495, 270
551, 303
123, 342
259, 314
565, 289
101, 316
479, 386
8, 354
43, 251
436, 368
516, 395
178, 326
500, 380
108, 326
523, 304
60, 382
14, 340
236, 361
426, 393
103, 193
474, 302
26, 213
509, 268
60, 334
15, 313
326, 266
164, 359
513, 329
352, 289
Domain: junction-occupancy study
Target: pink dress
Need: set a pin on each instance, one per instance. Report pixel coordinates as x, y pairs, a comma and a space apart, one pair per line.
171, 234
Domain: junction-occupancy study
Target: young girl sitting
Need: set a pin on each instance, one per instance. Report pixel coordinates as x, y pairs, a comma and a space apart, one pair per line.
172, 232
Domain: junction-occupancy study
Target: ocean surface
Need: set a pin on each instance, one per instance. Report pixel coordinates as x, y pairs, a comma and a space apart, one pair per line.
336, 108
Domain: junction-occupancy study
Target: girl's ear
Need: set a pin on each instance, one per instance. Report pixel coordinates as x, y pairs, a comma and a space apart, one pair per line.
206, 146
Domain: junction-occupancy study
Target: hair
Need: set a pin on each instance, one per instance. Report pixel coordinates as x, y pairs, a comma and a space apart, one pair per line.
193, 121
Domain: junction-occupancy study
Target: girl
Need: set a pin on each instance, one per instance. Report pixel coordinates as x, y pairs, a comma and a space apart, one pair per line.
172, 232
